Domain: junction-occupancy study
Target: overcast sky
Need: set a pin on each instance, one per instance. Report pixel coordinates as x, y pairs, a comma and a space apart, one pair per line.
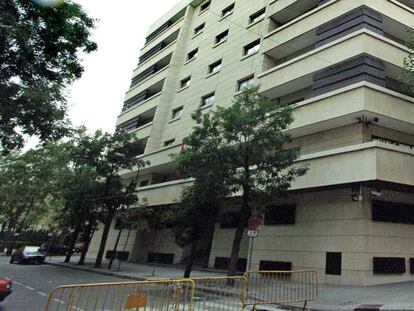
96, 99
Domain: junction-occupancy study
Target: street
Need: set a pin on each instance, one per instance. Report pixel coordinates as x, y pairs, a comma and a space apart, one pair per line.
32, 283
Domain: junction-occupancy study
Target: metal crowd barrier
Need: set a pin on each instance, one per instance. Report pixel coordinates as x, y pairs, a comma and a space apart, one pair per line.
165, 295
218, 293
254, 289
280, 287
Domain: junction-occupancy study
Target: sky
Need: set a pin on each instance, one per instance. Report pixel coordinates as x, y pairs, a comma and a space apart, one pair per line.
96, 99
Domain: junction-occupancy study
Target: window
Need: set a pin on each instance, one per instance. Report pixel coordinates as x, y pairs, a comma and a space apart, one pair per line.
280, 215
227, 11
169, 142
215, 67
259, 15
333, 265
266, 265
207, 100
205, 6
198, 29
389, 265
192, 54
245, 84
392, 212
222, 37
252, 47
144, 183
176, 113
185, 82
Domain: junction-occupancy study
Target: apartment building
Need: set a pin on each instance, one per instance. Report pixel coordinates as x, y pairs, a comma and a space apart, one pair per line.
338, 62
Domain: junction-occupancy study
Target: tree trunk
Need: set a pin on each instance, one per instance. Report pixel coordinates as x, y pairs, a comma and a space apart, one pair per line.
105, 233
8, 234
243, 219
89, 233
72, 243
190, 260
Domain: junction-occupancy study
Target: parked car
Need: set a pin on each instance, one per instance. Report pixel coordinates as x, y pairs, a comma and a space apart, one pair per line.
28, 254
53, 249
5, 288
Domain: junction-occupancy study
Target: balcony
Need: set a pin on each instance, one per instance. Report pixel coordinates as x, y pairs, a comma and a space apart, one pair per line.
160, 55
157, 49
139, 125
150, 72
300, 72
332, 21
135, 98
153, 83
364, 162
147, 104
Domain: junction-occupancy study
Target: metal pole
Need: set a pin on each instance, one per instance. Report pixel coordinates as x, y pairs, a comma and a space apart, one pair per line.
156, 257
251, 242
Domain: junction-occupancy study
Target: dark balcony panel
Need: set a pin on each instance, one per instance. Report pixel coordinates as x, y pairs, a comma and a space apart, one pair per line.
136, 99
357, 19
151, 52
158, 31
360, 68
389, 265
143, 75
128, 126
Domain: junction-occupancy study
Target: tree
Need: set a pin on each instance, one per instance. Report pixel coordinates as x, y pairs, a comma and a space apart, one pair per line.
27, 182
408, 73
110, 156
201, 202
253, 144
39, 58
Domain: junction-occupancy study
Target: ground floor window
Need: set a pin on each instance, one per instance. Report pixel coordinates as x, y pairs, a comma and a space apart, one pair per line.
389, 265
333, 264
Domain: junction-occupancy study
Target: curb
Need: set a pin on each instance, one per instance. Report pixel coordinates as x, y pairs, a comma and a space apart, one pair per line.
79, 268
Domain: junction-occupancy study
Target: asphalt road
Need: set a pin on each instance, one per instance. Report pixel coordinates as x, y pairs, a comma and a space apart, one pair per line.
32, 283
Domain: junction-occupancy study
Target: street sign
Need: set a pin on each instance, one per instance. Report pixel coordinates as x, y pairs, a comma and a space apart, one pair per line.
254, 222
252, 233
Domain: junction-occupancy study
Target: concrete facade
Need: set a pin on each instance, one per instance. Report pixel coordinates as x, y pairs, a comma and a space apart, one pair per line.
339, 63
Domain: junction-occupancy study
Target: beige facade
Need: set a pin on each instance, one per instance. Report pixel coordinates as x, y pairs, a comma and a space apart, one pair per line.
339, 63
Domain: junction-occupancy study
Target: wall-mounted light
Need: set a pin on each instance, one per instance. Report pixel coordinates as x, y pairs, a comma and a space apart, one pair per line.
356, 193
367, 121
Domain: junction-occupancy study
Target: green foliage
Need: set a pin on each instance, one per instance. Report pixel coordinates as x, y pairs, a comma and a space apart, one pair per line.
39, 58
408, 73
242, 149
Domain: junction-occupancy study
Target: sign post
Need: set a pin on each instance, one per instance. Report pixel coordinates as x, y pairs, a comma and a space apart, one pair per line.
252, 233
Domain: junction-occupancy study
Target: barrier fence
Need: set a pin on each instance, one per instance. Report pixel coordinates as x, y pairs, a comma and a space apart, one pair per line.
166, 295
197, 294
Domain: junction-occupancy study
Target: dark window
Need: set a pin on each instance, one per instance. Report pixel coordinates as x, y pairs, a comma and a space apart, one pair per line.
280, 215
252, 48
392, 212
389, 265
259, 15
169, 142
144, 183
214, 67
160, 258
227, 11
192, 54
333, 264
185, 82
222, 37
266, 265
199, 29
245, 84
176, 113
229, 220
412, 265
205, 6
223, 263
207, 100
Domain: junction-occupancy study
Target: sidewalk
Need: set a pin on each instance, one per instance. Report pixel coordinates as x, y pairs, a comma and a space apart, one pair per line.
384, 297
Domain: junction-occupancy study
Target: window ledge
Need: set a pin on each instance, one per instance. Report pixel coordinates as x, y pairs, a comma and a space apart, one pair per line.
206, 107
225, 16
212, 74
174, 120
255, 23
197, 34
249, 55
219, 43
183, 89
190, 60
